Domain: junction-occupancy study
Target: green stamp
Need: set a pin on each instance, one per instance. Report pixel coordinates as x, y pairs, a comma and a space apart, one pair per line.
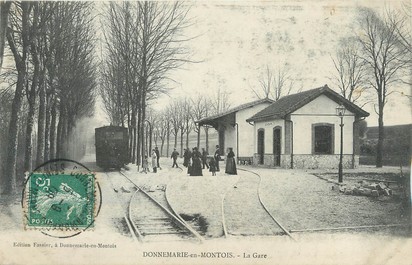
60, 200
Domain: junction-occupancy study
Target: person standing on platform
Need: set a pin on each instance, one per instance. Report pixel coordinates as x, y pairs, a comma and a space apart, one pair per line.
217, 158
186, 157
231, 163
154, 161
196, 167
174, 156
158, 157
204, 158
145, 165
212, 166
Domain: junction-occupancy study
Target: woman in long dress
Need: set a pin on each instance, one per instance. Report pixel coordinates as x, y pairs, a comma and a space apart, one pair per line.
186, 157
196, 163
231, 163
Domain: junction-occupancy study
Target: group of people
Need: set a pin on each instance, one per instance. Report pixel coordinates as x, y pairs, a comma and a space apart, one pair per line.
155, 156
195, 161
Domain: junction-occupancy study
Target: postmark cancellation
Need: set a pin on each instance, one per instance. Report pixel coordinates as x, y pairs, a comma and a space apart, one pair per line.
64, 201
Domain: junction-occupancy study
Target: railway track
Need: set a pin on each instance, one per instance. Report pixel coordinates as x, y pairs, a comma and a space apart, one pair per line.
264, 222
149, 217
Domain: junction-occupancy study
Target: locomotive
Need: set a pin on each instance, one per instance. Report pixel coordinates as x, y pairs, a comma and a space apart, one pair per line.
112, 145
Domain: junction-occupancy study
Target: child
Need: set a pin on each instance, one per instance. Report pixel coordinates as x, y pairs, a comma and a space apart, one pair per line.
212, 166
145, 166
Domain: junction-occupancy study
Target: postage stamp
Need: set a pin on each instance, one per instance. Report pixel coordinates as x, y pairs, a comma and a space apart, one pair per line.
60, 200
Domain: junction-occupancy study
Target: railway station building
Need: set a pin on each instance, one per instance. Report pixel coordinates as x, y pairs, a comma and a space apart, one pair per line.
233, 129
303, 131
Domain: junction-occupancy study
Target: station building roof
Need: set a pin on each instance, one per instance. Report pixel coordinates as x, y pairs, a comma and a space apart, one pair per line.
229, 115
288, 104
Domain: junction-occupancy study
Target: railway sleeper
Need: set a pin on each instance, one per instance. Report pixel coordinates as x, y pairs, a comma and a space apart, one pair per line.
153, 223
160, 228
156, 218
162, 233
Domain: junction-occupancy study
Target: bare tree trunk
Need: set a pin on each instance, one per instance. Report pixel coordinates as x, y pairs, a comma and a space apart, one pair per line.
60, 132
41, 124
58, 136
181, 142
28, 155
47, 130
167, 144
9, 181
138, 135
134, 135
64, 136
175, 140
53, 130
143, 110
4, 16
147, 139
381, 137
161, 147
142, 141
8, 184
135, 142
130, 129
167, 140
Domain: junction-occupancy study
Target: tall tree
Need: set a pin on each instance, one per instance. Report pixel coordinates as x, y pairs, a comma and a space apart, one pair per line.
401, 20
175, 120
350, 69
41, 13
161, 46
18, 38
147, 36
75, 78
275, 83
188, 111
199, 111
163, 131
219, 102
4, 17
183, 117
382, 53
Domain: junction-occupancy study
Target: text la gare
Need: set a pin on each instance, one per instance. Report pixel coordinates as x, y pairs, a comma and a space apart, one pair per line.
255, 255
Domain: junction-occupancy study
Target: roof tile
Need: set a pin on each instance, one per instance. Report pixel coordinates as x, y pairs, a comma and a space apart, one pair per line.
288, 104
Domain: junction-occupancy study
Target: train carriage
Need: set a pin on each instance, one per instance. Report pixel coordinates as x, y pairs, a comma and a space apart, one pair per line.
112, 146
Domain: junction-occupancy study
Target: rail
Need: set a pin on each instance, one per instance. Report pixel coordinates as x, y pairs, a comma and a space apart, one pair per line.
175, 217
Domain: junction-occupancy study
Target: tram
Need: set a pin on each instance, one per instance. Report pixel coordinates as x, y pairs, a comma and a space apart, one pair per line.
112, 147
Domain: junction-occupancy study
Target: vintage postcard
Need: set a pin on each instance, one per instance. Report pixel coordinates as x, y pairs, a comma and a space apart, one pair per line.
205, 132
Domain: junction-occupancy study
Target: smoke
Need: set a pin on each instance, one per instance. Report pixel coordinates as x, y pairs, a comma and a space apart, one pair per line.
80, 145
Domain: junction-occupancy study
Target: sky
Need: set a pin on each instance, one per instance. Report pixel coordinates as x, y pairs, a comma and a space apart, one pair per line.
238, 39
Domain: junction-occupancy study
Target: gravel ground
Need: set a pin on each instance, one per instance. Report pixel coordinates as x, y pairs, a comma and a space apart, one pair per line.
201, 195
297, 198
243, 211
303, 201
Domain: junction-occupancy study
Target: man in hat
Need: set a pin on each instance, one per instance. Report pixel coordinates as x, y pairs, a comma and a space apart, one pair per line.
174, 156
217, 157
158, 157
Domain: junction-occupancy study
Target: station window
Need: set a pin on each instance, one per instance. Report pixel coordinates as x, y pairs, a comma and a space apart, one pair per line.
322, 138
